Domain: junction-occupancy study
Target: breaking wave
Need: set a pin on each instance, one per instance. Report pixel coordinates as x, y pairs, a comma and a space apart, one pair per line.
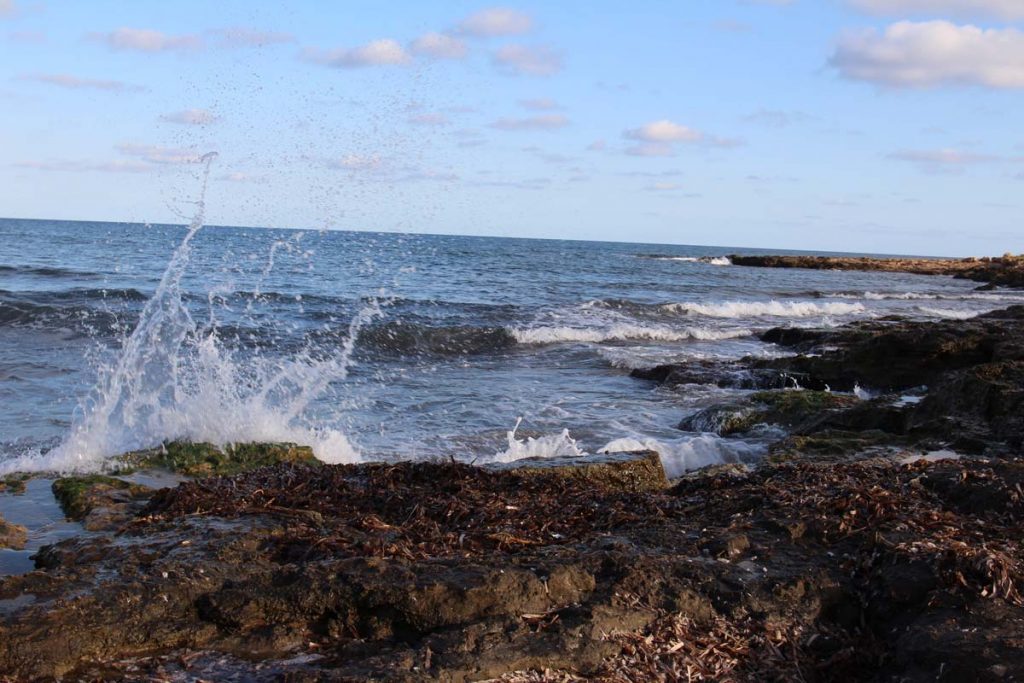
753, 309
622, 332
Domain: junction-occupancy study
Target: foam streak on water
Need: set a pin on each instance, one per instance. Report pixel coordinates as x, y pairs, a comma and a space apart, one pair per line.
174, 379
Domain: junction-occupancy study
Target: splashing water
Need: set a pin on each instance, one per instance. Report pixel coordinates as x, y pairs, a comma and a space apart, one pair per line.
547, 446
174, 379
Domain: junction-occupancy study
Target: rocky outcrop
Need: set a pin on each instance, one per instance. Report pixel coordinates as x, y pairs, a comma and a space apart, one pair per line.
867, 570
1007, 271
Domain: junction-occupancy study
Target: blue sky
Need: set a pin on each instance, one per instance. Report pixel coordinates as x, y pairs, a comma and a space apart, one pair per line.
855, 125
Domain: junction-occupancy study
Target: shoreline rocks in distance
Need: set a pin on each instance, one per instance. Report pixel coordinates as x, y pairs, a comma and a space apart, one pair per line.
1004, 271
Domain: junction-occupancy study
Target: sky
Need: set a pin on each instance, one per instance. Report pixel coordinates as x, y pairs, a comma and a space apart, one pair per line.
883, 126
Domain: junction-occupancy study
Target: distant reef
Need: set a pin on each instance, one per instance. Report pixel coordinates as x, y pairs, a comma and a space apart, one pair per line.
1000, 271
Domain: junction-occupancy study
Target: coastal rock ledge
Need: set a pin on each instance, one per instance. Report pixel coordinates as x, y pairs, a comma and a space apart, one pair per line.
861, 570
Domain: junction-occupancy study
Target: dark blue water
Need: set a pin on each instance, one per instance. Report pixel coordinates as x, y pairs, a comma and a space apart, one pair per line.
471, 335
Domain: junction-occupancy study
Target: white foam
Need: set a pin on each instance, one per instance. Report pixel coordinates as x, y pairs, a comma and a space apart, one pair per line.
621, 332
690, 453
931, 456
948, 313
547, 446
779, 309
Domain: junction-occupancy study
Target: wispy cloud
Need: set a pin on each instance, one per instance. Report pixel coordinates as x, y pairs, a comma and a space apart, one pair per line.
943, 160
496, 21
241, 36
932, 53
536, 60
542, 122
439, 46
156, 154
429, 119
540, 104
148, 40
357, 162
191, 117
384, 52
7, 8
775, 118
78, 83
116, 166
1009, 10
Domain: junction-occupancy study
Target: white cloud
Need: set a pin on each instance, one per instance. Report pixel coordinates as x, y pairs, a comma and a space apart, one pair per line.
156, 154
663, 187
933, 53
74, 82
239, 177
148, 40
384, 52
543, 122
597, 146
429, 119
439, 46
1000, 9
496, 21
7, 8
192, 117
536, 60
663, 131
241, 36
540, 104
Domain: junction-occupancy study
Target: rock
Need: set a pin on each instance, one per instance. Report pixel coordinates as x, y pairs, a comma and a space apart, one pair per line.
98, 500
443, 571
204, 459
632, 472
12, 536
14, 483
1007, 270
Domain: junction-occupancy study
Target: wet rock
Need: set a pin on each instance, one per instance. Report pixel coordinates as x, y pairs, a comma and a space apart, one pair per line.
441, 571
632, 472
12, 536
99, 501
204, 459
14, 483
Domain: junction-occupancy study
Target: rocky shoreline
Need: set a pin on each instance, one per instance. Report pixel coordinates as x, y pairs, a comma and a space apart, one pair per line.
1004, 271
879, 540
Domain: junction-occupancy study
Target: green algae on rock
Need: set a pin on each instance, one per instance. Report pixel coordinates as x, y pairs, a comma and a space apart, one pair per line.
14, 483
78, 496
206, 459
785, 408
632, 472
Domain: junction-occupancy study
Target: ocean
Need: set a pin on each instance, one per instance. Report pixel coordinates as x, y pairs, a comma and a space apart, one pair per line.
380, 346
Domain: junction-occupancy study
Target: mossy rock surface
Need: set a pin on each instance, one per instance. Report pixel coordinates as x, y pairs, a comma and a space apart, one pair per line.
787, 408
632, 472
205, 459
78, 496
14, 483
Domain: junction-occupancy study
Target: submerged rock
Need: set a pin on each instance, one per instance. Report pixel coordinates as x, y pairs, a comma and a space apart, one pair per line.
14, 483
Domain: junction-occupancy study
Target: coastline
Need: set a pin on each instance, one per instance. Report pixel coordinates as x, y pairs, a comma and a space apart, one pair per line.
999, 271
879, 538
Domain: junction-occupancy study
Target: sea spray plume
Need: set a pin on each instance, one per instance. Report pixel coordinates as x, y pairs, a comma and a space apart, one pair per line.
175, 380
